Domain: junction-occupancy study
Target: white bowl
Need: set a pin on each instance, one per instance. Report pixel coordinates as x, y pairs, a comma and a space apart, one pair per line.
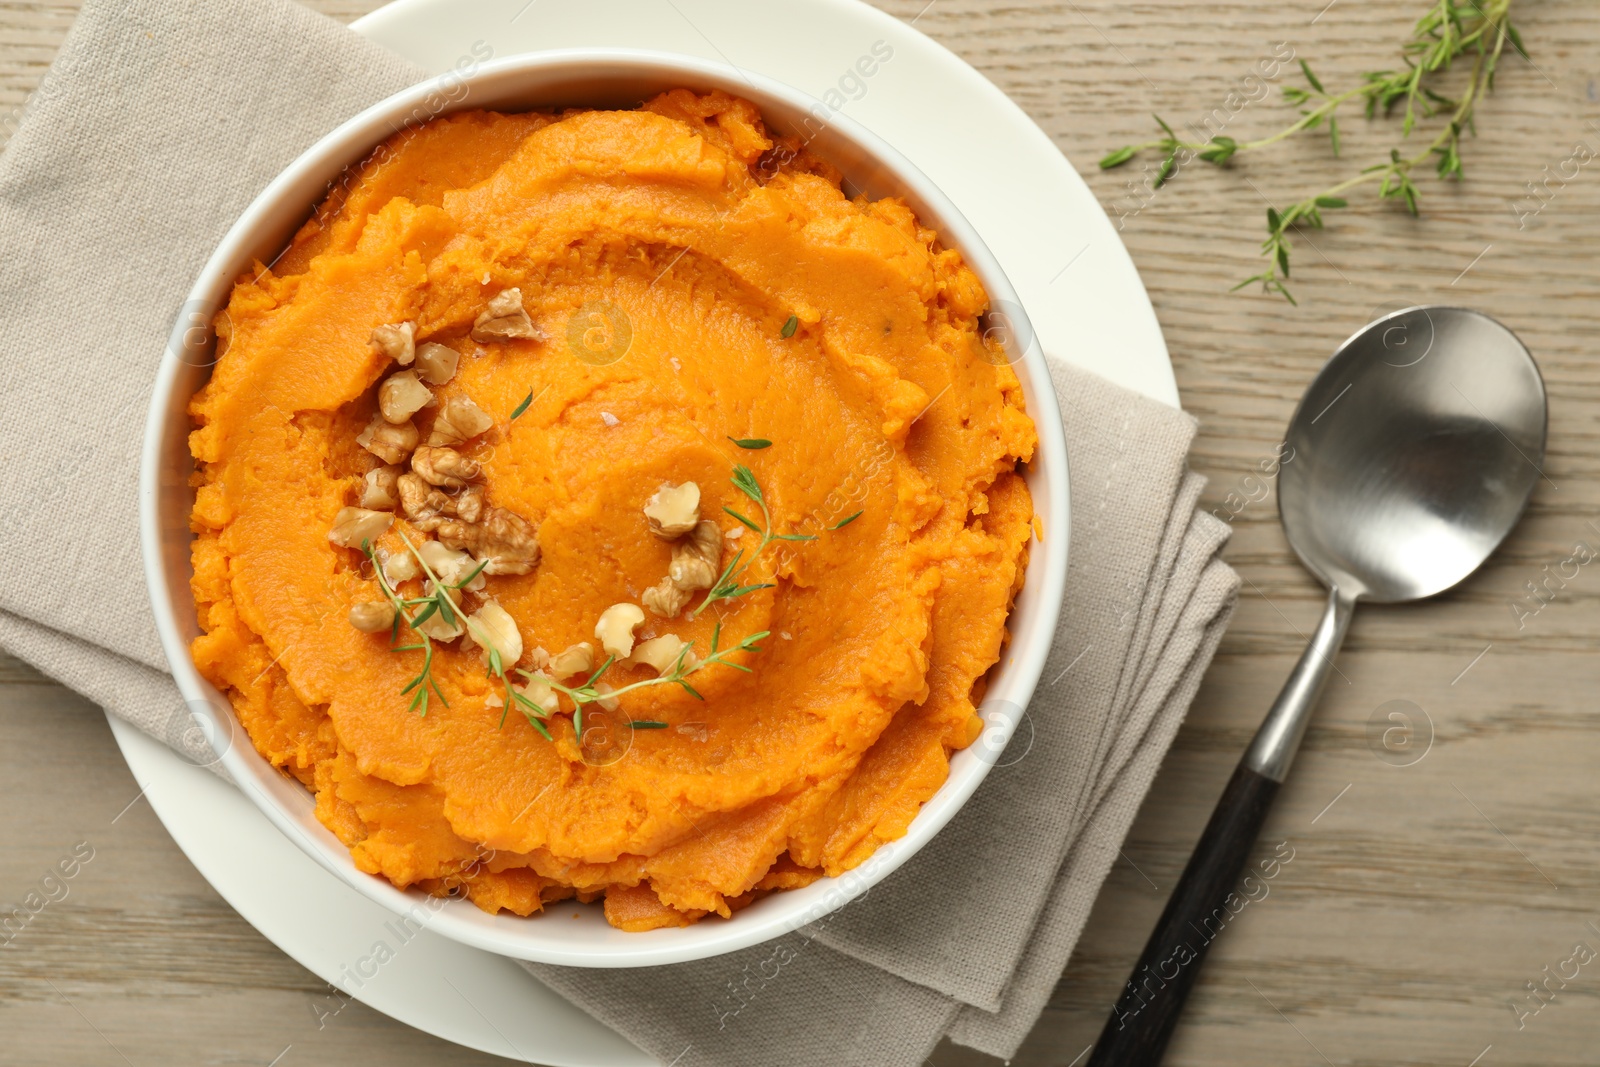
589, 77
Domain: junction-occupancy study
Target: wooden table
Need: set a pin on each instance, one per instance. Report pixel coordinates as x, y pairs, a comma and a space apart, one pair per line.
1422, 899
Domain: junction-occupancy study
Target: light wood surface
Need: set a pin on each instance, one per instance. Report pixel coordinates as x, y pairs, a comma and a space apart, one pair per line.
1421, 899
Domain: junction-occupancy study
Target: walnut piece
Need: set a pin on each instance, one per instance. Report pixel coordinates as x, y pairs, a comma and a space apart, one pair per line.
397, 340
397, 566
673, 510
401, 396
505, 319
444, 467
576, 659
538, 690
661, 653
458, 419
422, 504
389, 442
666, 599
451, 565
470, 503
378, 492
615, 629
353, 526
506, 540
372, 616
436, 364
494, 628
695, 559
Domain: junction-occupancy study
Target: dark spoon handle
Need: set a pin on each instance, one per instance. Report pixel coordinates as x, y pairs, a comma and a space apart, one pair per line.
1142, 1022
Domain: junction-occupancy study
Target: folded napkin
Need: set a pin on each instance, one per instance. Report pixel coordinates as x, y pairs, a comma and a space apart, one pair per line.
157, 125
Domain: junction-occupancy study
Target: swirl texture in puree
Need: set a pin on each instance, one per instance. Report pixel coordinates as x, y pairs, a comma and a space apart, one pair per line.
662, 252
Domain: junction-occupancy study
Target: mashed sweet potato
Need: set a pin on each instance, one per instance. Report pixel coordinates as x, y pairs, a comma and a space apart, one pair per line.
691, 282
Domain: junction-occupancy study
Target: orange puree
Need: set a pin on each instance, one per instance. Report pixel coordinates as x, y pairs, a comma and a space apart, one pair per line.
662, 253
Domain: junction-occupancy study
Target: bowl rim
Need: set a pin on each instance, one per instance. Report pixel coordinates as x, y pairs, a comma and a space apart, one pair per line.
1012, 681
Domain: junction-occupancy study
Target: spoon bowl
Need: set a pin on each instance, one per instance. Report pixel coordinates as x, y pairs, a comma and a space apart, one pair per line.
1414, 451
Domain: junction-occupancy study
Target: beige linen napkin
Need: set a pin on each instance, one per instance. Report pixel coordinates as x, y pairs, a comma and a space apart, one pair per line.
160, 121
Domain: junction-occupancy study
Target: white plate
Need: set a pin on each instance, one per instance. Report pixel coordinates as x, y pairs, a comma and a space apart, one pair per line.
1040, 220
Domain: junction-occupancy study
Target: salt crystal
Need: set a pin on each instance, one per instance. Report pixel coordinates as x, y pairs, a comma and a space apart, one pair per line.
785, 635
736, 533
676, 366
609, 419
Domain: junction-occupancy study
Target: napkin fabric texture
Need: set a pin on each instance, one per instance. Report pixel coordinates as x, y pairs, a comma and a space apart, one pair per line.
160, 121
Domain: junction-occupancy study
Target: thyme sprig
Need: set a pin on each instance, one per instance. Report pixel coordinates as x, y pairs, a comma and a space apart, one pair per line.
727, 586
437, 602
682, 667
1449, 30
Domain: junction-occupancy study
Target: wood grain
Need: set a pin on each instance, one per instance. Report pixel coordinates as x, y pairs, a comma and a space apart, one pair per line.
1421, 898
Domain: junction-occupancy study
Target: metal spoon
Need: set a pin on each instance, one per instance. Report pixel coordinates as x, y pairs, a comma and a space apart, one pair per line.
1409, 459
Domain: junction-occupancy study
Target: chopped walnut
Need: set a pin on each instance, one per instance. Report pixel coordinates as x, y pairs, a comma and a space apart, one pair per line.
615, 629
378, 492
451, 565
661, 653
397, 566
506, 540
372, 616
470, 503
695, 560
538, 690
424, 506
666, 599
353, 526
397, 340
444, 467
458, 419
607, 701
436, 364
505, 319
673, 510
389, 442
493, 627
577, 659
401, 396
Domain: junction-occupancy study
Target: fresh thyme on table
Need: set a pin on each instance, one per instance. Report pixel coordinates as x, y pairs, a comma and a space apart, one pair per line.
1448, 31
